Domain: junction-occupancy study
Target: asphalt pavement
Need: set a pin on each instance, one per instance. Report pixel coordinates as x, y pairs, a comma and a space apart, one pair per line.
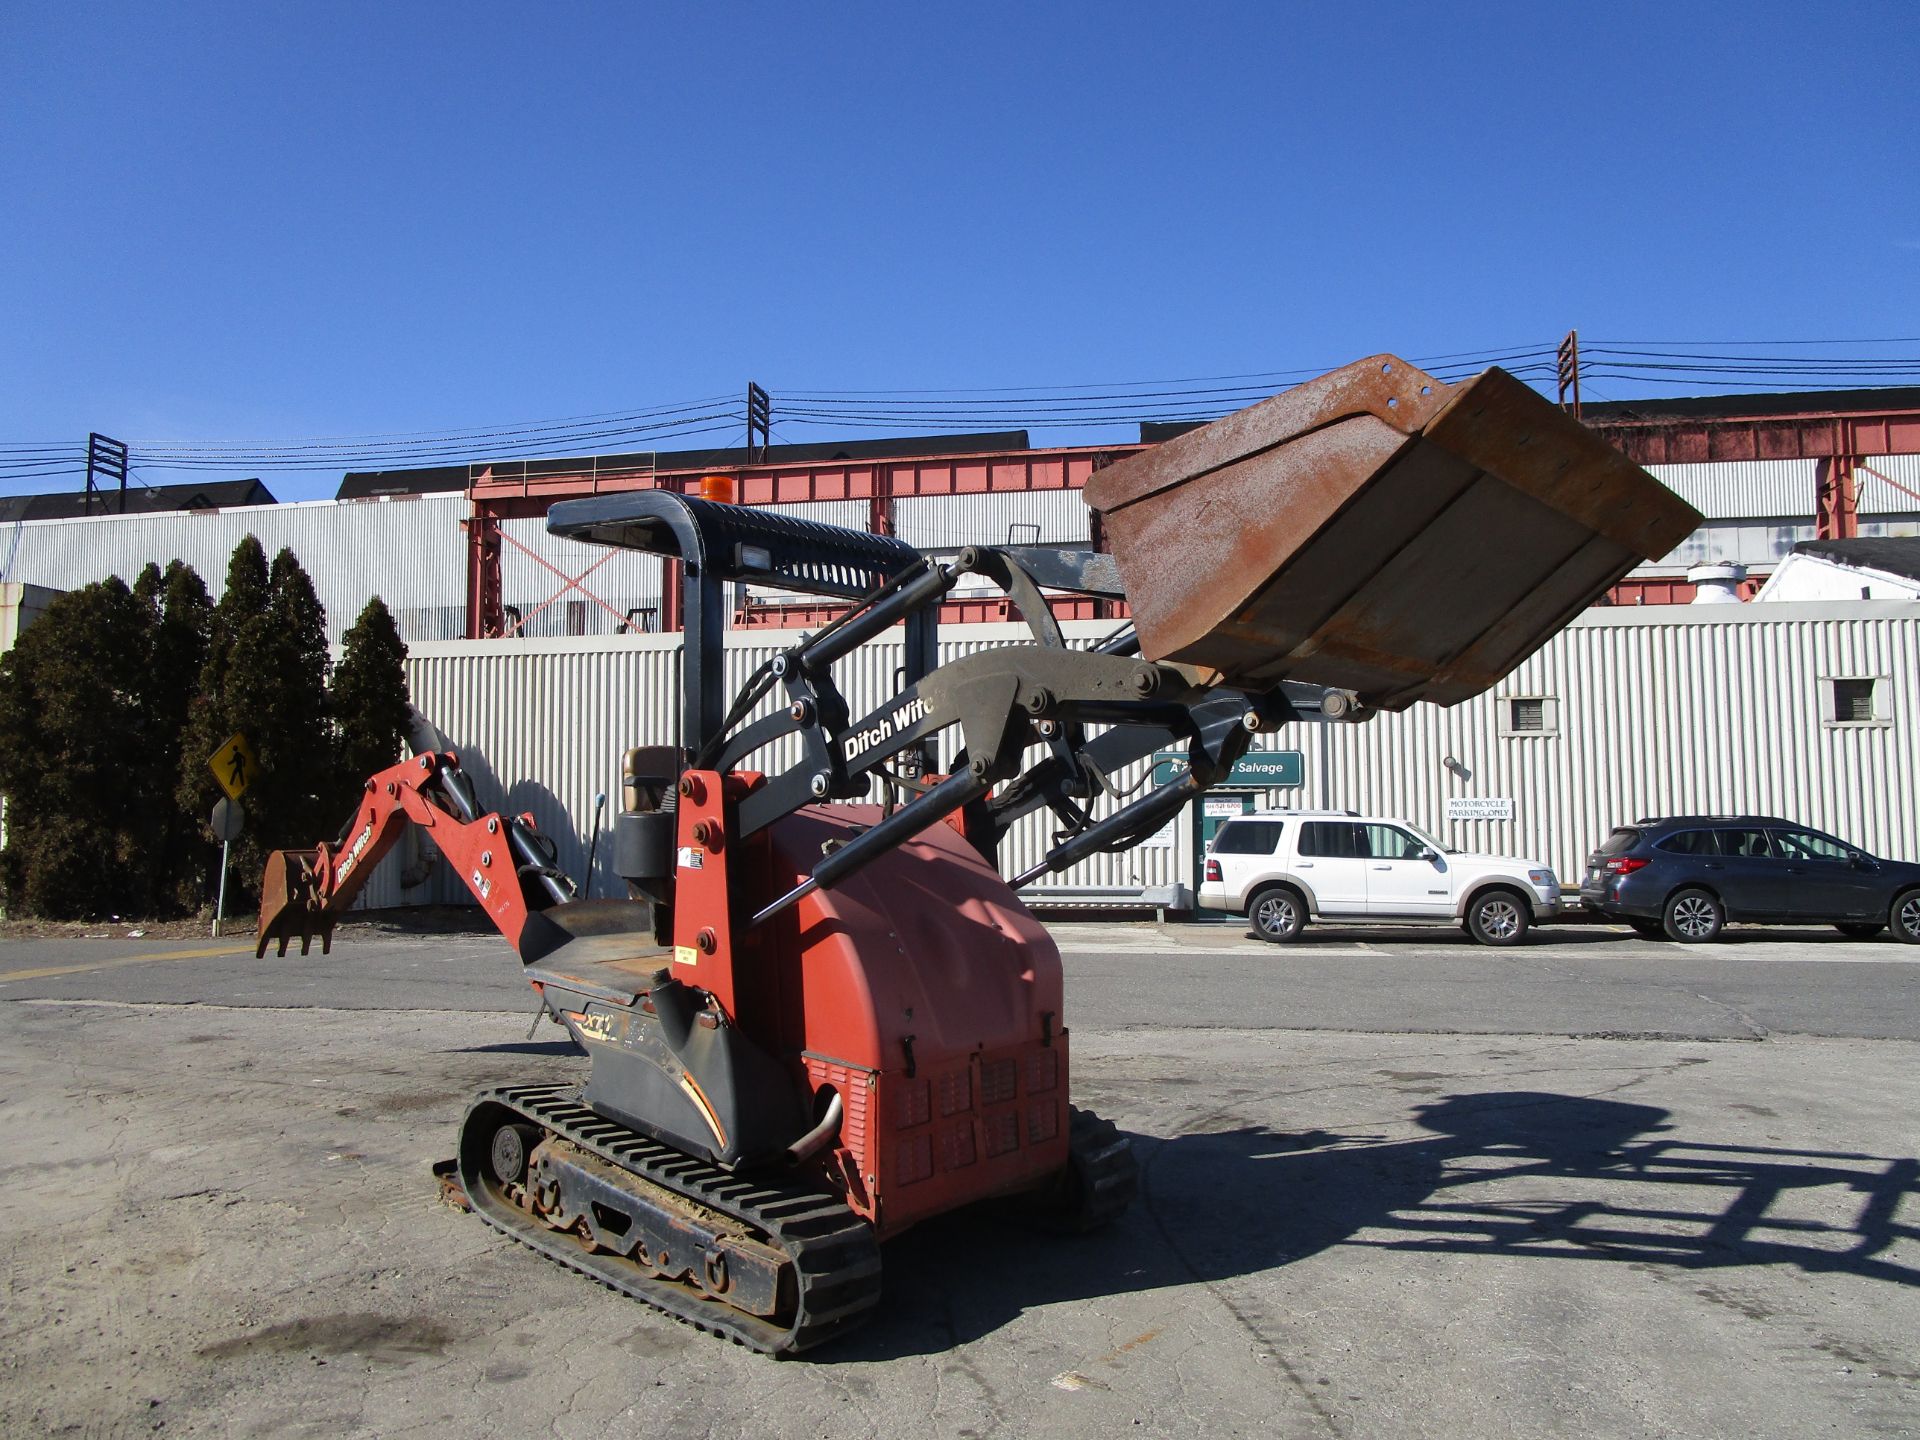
1394, 1184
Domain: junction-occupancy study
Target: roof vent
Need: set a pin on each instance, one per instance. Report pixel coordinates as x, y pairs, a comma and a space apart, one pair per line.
1717, 584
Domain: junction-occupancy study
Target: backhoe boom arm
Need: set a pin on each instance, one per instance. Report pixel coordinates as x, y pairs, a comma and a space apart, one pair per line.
504, 861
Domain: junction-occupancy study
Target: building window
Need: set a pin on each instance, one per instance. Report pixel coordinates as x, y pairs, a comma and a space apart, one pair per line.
1852, 702
1529, 715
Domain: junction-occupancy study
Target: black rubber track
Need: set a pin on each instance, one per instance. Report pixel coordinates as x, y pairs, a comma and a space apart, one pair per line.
836, 1260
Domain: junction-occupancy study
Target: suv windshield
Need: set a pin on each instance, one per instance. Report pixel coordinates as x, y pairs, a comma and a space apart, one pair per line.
1426, 839
1809, 845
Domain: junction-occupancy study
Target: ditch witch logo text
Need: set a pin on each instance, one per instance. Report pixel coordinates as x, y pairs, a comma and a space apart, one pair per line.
885, 728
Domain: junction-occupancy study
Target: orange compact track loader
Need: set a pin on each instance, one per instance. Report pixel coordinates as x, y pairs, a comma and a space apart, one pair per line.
822, 1015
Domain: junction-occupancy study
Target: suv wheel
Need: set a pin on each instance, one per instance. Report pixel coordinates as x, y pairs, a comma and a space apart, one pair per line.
1693, 917
1498, 917
1278, 914
1905, 917
1860, 929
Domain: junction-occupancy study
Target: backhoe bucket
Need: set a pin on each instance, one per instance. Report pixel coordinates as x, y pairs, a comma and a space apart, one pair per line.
1378, 531
288, 908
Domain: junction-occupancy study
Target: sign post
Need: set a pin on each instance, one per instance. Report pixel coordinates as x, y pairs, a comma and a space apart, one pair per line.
234, 767
227, 820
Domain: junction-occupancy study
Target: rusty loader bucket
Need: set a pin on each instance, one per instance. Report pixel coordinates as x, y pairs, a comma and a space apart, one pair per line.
289, 905
1378, 531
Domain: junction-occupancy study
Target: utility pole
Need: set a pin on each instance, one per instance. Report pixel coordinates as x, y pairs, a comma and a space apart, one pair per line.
106, 460
760, 420
1569, 372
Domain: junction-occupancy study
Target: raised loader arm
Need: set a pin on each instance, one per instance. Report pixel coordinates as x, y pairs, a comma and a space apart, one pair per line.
1003, 702
1360, 542
504, 860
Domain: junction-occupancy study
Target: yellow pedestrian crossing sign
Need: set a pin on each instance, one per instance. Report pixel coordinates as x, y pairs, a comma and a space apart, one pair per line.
234, 766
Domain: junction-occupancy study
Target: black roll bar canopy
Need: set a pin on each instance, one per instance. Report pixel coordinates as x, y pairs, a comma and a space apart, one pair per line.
718, 544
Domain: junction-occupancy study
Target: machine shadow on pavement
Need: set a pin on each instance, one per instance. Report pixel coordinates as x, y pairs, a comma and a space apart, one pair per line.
1504, 1173
555, 1049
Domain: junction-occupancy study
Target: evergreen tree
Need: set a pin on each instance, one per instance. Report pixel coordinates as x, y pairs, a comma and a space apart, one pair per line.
181, 615
369, 701
83, 808
221, 710
282, 668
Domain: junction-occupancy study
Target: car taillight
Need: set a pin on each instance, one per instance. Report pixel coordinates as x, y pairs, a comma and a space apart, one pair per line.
1627, 864
1213, 870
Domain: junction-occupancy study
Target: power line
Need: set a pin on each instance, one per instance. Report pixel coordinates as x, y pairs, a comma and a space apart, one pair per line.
546, 430
543, 446
1700, 364
1895, 340
529, 449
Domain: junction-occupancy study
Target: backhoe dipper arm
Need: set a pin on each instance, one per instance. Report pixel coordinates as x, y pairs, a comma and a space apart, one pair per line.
505, 861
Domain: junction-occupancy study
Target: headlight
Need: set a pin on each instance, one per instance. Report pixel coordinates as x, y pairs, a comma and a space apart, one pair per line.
1545, 879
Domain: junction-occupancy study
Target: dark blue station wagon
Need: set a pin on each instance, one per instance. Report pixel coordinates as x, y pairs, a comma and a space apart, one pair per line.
1687, 876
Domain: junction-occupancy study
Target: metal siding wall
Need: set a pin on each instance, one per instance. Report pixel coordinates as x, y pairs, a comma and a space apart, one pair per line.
1740, 489
541, 726
409, 552
1757, 544
1876, 497
937, 522
1662, 711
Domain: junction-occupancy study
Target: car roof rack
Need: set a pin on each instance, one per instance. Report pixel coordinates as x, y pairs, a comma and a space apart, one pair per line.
1296, 810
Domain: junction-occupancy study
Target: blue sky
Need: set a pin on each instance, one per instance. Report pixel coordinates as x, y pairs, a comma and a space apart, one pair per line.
254, 223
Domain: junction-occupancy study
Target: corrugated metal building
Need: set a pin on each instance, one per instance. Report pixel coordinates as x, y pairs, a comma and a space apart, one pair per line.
411, 546
1758, 510
411, 551
1654, 710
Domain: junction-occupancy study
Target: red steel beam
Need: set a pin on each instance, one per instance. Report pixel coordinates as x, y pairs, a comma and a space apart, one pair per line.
1811, 435
511, 492
515, 491
520, 490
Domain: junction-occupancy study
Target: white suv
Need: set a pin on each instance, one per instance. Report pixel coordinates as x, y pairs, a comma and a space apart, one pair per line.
1281, 868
